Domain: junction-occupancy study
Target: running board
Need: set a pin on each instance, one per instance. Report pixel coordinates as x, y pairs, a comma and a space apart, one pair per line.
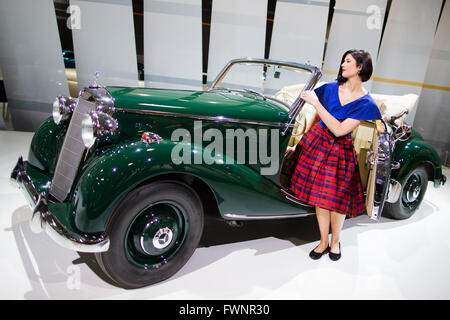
232, 216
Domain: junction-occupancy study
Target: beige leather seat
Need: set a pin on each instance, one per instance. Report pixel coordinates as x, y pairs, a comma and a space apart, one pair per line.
391, 105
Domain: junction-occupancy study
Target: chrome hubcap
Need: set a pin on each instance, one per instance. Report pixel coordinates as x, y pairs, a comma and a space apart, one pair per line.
413, 194
156, 234
162, 238
412, 190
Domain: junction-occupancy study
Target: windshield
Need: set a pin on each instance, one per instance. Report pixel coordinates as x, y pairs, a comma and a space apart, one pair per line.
282, 82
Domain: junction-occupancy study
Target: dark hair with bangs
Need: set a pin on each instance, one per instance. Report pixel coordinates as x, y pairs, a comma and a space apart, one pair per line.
362, 58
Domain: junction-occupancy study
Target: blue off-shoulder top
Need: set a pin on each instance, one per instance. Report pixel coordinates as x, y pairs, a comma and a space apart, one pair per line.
363, 108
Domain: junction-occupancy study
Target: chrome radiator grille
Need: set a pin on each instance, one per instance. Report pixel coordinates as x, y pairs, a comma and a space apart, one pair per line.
71, 152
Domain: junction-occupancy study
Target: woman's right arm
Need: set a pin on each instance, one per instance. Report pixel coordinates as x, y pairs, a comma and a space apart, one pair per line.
337, 127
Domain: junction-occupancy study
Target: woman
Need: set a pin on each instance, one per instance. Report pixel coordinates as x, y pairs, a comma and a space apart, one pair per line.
326, 172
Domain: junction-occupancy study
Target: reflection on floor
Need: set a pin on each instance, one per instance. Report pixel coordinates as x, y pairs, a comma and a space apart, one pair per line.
390, 259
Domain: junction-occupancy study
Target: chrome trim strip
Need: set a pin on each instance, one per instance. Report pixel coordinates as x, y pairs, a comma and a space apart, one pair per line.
232, 216
291, 197
43, 220
199, 117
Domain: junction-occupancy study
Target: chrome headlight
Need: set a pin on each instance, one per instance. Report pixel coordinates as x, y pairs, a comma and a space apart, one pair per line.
63, 108
87, 131
97, 125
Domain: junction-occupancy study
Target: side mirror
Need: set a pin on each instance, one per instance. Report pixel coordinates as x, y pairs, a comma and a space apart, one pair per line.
402, 133
393, 118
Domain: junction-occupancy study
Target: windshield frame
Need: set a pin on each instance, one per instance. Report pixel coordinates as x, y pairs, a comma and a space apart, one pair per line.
297, 104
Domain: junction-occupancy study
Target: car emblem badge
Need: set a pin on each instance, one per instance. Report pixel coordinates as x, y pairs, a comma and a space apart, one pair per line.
162, 238
150, 137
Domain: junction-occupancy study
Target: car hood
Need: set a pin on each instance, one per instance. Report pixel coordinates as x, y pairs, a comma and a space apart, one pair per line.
226, 104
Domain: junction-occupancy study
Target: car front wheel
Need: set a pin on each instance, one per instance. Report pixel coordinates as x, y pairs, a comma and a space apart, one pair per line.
414, 187
153, 233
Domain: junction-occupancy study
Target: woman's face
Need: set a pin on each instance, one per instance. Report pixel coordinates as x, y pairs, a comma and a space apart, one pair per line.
349, 68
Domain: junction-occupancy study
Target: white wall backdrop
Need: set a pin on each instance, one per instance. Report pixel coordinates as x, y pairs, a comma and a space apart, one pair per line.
104, 42
433, 113
406, 47
238, 29
356, 24
413, 57
173, 44
31, 60
299, 30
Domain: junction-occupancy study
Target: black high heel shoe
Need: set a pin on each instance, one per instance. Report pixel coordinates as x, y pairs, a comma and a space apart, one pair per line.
317, 255
335, 256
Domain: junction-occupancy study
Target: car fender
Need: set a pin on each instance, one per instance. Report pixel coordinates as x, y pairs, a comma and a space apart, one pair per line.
237, 188
45, 145
409, 154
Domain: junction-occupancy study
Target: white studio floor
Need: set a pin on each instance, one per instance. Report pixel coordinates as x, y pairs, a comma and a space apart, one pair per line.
389, 259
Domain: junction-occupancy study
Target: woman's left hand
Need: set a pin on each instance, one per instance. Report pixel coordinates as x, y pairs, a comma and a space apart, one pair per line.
310, 97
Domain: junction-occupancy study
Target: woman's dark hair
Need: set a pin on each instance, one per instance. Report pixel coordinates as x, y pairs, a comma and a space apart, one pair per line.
362, 58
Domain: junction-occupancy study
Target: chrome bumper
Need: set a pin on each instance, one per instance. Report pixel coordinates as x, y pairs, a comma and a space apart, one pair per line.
43, 220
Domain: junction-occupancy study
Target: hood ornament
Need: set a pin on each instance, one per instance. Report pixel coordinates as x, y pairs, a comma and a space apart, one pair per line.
94, 83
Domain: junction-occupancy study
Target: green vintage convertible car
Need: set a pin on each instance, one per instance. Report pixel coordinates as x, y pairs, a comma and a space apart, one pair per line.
127, 173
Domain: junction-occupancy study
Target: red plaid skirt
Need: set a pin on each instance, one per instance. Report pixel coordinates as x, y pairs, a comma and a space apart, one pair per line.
326, 172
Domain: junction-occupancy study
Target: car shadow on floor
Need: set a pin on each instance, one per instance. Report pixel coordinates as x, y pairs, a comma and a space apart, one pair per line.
217, 232
52, 271
293, 232
296, 230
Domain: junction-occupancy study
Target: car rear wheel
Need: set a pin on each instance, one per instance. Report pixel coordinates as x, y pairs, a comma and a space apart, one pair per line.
414, 187
153, 233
